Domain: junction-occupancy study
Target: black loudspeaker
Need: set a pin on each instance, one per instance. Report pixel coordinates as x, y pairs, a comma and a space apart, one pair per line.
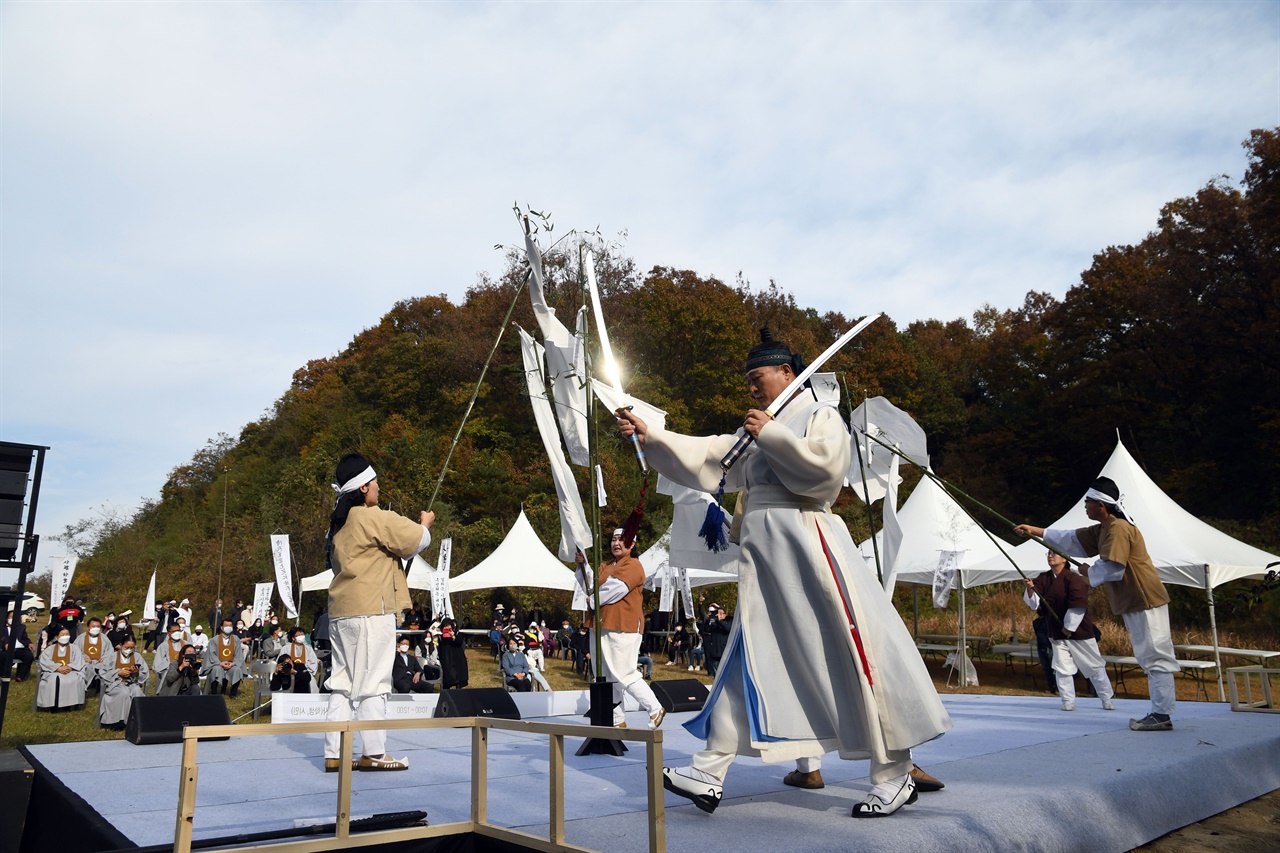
477, 702
16, 776
159, 719
680, 694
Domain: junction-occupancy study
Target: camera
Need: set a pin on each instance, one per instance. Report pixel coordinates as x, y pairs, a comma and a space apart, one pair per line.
191, 659
286, 665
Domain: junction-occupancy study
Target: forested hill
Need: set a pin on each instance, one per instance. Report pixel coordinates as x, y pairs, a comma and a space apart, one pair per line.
1175, 342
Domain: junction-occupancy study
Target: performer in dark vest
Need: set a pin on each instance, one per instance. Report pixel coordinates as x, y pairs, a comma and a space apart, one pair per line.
1072, 634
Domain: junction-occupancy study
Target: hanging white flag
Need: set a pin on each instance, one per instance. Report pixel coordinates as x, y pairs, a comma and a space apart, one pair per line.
581, 583
668, 598
63, 571
944, 576
686, 593
891, 540
441, 606
284, 571
149, 607
602, 500
262, 599
566, 361
575, 532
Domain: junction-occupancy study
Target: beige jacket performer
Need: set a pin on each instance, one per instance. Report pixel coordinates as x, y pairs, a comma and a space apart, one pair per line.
368, 579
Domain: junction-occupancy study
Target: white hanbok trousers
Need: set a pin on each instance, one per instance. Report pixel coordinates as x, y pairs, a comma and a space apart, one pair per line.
620, 650
363, 654
1070, 656
1153, 647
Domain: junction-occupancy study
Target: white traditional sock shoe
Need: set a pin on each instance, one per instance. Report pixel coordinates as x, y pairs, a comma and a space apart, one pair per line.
705, 795
887, 797
656, 718
1108, 705
1068, 705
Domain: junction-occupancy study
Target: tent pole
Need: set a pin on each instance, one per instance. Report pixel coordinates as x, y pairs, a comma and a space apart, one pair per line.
1213, 623
915, 611
963, 652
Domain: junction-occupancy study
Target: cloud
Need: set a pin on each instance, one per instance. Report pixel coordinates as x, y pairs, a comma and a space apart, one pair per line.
200, 197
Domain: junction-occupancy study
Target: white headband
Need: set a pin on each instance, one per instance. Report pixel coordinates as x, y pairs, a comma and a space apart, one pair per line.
365, 476
1101, 497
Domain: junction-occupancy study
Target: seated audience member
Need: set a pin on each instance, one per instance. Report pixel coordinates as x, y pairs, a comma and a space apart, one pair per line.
563, 638
679, 648
182, 675
537, 676
515, 668
295, 666
645, 664
242, 632
430, 657
224, 662
167, 651
495, 639
124, 677
121, 630
95, 648
406, 672
22, 654
453, 656
273, 641
581, 645
533, 647
697, 657
61, 684
200, 640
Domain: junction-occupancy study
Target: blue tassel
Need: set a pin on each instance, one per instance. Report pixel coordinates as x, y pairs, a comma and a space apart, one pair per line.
712, 530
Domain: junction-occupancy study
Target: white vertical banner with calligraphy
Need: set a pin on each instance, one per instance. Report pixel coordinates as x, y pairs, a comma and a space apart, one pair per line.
944, 576
686, 592
441, 606
149, 608
668, 598
284, 571
262, 599
63, 570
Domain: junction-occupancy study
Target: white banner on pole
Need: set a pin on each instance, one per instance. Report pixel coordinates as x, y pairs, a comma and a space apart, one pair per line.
284, 571
686, 593
149, 606
582, 579
944, 576
668, 598
262, 599
441, 606
892, 535
61, 581
602, 499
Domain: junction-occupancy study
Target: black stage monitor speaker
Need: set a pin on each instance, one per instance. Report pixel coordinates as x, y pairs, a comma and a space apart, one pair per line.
680, 694
477, 702
159, 719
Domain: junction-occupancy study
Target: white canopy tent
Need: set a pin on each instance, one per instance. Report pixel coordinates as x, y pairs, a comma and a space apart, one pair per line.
932, 523
1185, 550
521, 560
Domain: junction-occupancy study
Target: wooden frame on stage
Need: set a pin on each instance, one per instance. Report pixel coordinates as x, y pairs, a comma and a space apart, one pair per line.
479, 822
1265, 701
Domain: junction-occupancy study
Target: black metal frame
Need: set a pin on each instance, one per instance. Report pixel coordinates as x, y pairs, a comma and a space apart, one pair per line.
29, 545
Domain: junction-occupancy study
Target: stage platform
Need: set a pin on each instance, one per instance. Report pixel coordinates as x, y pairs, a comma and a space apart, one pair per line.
1020, 774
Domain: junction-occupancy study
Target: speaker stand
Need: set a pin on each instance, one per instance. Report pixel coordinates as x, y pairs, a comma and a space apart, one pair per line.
601, 714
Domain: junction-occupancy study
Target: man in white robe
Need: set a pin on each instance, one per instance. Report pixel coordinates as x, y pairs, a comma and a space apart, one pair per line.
855, 683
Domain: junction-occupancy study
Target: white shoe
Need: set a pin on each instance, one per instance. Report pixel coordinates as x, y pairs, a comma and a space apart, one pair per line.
691, 669
670, 663
887, 797
1108, 705
1068, 706
656, 718
705, 795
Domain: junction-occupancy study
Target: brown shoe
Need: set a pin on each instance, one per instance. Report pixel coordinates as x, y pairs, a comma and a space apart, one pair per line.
331, 765
811, 781
386, 762
924, 782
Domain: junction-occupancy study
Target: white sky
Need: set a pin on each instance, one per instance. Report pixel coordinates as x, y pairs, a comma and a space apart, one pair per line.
197, 198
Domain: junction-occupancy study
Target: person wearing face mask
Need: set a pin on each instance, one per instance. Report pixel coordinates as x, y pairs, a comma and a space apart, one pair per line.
95, 647
124, 678
295, 666
182, 678
121, 631
61, 684
224, 662
453, 656
167, 652
200, 640
273, 642
407, 675
537, 676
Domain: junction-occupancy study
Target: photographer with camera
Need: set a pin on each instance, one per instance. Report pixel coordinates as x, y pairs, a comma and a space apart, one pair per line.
182, 677
295, 666
453, 656
715, 636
